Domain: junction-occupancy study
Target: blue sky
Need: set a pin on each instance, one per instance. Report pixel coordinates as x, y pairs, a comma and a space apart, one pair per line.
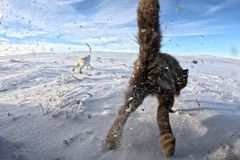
189, 26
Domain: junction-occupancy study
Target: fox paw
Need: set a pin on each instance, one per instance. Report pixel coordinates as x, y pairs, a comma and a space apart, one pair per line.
167, 142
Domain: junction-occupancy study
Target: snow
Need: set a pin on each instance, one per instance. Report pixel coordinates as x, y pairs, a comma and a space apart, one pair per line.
49, 113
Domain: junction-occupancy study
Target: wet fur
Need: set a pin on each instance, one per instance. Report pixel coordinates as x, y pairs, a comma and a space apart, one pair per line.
155, 73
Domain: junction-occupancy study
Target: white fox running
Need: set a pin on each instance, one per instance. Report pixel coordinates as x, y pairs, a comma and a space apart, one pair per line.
82, 62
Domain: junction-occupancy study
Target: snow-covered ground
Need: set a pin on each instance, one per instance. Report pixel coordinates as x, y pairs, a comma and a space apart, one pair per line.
48, 113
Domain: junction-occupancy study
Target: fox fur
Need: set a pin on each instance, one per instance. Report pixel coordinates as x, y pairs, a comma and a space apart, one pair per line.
155, 73
81, 63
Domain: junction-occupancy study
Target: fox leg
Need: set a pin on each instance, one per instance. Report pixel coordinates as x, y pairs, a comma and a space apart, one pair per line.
80, 68
91, 67
133, 98
167, 139
74, 67
88, 65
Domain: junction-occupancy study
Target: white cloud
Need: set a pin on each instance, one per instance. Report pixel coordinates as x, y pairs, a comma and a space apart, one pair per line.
4, 39
220, 6
65, 20
206, 7
38, 47
24, 34
67, 2
186, 28
115, 12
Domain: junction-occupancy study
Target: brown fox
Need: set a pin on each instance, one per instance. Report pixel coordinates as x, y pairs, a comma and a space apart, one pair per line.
155, 73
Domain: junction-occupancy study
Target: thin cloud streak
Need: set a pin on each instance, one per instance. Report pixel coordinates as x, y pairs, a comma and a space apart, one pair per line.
67, 2
208, 27
221, 6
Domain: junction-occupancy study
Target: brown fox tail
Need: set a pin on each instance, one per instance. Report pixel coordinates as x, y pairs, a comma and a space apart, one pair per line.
149, 33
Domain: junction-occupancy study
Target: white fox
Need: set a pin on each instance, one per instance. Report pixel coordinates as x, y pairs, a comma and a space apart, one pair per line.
85, 61
82, 62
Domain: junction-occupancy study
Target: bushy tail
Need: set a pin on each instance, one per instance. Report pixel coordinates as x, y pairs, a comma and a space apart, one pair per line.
149, 33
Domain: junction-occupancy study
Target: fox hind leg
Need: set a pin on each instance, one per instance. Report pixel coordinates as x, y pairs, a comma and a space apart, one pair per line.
80, 68
134, 97
167, 139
